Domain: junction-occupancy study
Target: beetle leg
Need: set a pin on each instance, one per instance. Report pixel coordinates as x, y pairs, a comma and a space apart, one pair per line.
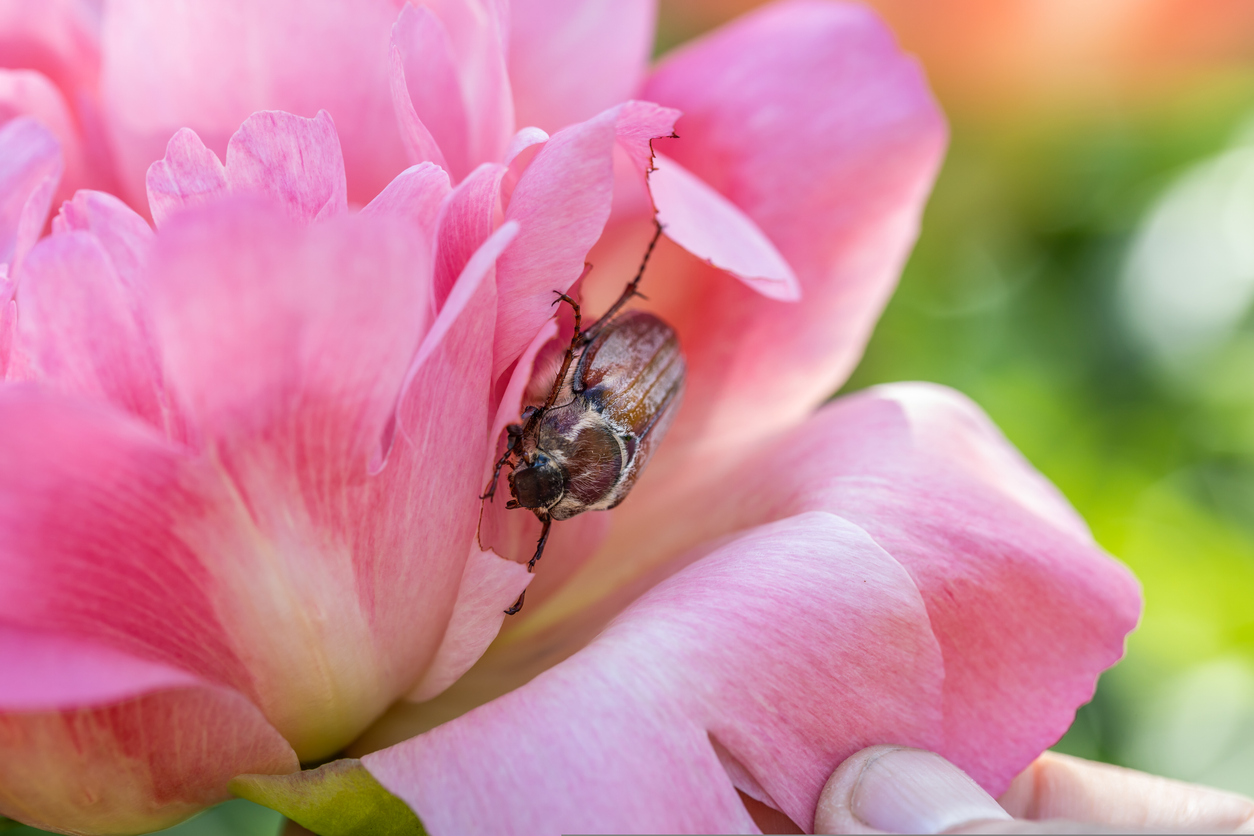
628, 292
544, 538
531, 564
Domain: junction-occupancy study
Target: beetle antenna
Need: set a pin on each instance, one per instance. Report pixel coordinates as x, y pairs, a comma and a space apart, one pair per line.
630, 291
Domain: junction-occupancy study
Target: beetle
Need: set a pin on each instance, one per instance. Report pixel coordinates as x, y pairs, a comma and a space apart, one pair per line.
619, 387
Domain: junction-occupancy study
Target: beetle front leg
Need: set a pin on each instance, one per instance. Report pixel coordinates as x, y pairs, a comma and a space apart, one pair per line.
515, 435
531, 564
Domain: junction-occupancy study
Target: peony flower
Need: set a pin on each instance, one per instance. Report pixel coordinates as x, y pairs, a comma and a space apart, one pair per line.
241, 453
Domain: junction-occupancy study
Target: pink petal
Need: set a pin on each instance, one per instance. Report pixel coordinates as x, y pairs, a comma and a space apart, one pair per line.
133, 766
788, 649
889, 572
415, 198
30, 93
429, 70
489, 585
30, 168
125, 236
523, 140
467, 218
54, 672
710, 227
561, 203
420, 145
292, 160
807, 117
571, 59
8, 319
89, 502
1027, 609
58, 38
170, 66
79, 330
428, 492
189, 175
477, 31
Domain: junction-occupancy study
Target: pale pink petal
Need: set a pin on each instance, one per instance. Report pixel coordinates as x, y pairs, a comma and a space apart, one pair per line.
710, 227
189, 175
430, 78
561, 203
290, 159
125, 236
571, 59
415, 198
29, 93
1026, 607
467, 218
477, 32
523, 140
420, 145
807, 117
489, 585
169, 66
30, 168
786, 650
134, 766
80, 332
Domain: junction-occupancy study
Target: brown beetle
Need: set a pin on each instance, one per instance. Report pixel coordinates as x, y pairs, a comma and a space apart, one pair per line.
619, 387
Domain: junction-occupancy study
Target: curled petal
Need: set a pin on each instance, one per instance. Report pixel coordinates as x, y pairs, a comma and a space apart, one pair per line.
807, 117
170, 66
30, 168
571, 59
705, 669
710, 227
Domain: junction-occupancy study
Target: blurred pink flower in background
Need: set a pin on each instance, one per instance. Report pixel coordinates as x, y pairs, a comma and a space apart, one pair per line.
240, 455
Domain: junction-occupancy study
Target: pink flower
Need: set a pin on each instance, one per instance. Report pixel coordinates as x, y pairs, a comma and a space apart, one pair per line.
240, 455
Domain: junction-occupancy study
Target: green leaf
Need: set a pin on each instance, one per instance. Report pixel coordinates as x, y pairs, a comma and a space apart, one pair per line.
340, 798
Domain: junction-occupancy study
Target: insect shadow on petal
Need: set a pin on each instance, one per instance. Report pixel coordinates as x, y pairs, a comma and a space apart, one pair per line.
619, 387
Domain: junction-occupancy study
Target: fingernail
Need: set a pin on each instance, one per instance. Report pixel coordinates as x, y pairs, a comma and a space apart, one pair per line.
910, 791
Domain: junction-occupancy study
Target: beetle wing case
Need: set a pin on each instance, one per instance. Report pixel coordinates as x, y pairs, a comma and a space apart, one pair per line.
632, 374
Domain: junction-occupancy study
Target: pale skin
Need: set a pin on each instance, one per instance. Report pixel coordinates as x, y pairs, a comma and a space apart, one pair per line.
908, 790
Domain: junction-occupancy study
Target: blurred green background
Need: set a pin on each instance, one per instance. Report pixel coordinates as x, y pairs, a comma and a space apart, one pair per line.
1085, 272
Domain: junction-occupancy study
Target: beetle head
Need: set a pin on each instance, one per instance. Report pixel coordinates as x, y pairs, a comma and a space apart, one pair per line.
538, 483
